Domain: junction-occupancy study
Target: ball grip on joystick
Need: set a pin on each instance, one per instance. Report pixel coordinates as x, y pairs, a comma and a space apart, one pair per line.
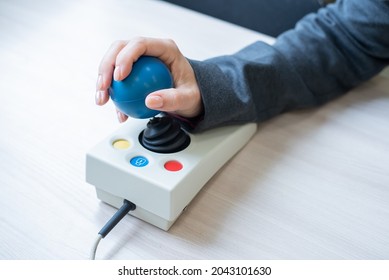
148, 74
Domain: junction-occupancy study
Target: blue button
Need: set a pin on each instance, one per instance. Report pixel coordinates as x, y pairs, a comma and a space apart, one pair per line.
139, 161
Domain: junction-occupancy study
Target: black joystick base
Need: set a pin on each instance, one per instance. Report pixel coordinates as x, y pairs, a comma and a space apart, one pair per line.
164, 135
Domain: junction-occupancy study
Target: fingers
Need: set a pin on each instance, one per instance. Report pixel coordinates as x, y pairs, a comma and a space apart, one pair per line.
108, 63
164, 49
118, 61
105, 72
184, 99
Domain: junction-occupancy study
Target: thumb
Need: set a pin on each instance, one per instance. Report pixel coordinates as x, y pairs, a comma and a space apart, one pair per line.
166, 100
171, 100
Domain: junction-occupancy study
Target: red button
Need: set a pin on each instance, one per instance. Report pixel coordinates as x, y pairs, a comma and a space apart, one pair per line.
173, 165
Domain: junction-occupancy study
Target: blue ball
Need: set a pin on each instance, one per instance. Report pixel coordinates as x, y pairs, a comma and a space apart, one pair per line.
148, 74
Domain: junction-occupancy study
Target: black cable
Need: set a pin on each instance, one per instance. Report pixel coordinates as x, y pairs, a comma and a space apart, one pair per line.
119, 215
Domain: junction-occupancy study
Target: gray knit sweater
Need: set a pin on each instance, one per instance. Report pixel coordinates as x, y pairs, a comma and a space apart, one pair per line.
324, 56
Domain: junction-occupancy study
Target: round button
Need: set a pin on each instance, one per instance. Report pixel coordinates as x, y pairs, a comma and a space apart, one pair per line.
173, 165
121, 144
139, 161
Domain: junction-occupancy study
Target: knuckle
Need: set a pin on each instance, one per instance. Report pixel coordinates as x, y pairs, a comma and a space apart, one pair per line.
138, 41
170, 43
119, 44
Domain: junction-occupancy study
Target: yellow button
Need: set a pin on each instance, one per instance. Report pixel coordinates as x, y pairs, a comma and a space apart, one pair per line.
121, 144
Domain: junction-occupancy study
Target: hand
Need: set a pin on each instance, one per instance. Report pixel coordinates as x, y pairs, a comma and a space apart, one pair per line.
184, 99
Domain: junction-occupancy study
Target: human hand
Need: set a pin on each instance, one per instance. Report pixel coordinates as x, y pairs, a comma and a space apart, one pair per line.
184, 99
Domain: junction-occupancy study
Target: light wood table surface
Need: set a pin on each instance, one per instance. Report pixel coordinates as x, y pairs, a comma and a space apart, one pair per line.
311, 184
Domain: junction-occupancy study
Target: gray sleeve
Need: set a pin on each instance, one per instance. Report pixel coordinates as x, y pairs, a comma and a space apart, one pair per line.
324, 56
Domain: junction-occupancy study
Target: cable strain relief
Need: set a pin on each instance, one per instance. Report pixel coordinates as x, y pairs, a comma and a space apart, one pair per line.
119, 215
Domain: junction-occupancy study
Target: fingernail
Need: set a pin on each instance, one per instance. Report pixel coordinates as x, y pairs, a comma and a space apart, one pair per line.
155, 102
98, 97
99, 82
121, 117
116, 73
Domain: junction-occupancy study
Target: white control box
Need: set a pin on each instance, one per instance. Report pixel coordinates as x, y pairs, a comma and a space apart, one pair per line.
160, 184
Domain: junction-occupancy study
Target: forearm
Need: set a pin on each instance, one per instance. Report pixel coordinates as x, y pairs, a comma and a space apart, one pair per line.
324, 56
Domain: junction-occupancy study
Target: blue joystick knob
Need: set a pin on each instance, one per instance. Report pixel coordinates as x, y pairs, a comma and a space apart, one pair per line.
148, 74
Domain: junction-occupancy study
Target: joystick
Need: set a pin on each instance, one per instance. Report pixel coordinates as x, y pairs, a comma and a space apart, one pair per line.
164, 135
148, 74
154, 163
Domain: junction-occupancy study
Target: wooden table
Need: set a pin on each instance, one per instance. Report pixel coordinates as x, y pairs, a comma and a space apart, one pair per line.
311, 184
